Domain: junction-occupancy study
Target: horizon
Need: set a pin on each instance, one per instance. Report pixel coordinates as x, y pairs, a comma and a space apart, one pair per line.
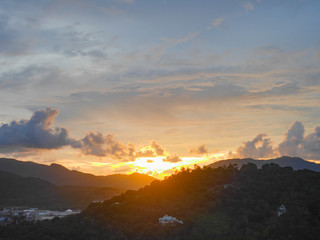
163, 176
124, 86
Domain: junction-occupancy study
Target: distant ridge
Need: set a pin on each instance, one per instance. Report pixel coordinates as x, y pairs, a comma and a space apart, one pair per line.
295, 162
34, 192
59, 175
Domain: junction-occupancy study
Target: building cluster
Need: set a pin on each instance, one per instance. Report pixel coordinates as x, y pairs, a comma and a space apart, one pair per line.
20, 214
169, 220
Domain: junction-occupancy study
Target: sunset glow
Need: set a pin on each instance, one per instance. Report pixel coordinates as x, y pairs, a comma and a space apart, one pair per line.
117, 86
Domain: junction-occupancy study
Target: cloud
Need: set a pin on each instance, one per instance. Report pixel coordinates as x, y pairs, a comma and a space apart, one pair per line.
248, 6
99, 145
25, 136
202, 149
172, 159
158, 149
216, 22
147, 153
293, 140
37, 132
259, 147
153, 150
311, 144
295, 144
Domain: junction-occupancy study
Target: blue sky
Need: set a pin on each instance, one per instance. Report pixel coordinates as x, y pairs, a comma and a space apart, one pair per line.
181, 73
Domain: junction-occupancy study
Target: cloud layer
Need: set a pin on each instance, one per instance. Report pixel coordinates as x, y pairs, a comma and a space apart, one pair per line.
38, 133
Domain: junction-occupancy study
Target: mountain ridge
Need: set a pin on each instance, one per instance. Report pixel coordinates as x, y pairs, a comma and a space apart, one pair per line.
295, 162
204, 203
59, 175
35, 192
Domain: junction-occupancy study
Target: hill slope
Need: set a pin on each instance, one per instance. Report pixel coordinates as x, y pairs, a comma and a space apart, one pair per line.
60, 175
222, 203
34, 192
294, 162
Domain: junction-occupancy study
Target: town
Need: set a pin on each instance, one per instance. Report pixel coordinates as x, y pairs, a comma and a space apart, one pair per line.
17, 215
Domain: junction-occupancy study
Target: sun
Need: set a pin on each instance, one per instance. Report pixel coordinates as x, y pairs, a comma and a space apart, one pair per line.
158, 168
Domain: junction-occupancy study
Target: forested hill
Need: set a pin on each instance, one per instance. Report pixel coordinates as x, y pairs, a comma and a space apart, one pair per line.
61, 176
34, 192
294, 162
220, 203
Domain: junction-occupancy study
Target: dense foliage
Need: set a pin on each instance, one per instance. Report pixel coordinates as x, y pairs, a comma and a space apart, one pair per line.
221, 203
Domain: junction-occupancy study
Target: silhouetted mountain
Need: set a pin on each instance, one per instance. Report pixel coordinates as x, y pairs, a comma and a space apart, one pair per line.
61, 176
34, 192
224, 203
294, 162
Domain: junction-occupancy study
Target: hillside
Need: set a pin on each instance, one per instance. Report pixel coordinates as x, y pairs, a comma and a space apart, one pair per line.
223, 203
34, 192
294, 162
61, 176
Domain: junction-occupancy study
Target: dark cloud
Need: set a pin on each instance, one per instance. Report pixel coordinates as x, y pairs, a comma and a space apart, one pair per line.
36, 132
172, 159
202, 149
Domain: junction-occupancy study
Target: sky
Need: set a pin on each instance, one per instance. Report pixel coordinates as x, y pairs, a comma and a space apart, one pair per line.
122, 86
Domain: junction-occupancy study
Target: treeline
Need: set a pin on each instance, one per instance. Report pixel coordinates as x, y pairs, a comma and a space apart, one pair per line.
222, 203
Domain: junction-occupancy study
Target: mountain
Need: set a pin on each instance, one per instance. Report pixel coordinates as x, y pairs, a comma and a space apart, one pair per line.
204, 203
61, 176
294, 162
34, 192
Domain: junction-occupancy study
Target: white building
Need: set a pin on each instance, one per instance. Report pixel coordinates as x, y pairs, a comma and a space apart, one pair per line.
281, 210
169, 220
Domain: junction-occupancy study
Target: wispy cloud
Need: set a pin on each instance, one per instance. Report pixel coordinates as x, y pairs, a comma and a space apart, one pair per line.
216, 22
248, 6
